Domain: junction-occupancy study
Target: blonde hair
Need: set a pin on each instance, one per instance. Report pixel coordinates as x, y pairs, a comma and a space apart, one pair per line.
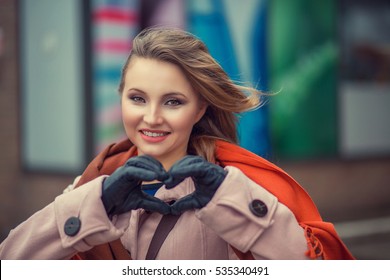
224, 98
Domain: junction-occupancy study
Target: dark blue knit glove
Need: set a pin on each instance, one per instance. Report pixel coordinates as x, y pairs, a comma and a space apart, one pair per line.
206, 176
122, 190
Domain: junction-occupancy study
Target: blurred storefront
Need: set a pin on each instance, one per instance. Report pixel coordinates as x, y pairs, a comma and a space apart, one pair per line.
326, 66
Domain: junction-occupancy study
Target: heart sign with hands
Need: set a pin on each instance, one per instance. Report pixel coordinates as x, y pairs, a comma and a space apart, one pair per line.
207, 178
122, 190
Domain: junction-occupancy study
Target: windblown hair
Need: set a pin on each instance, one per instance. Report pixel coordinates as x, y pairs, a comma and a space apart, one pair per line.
223, 97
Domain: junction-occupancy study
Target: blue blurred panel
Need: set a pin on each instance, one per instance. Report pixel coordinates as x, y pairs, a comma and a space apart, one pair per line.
110, 74
254, 126
206, 19
237, 40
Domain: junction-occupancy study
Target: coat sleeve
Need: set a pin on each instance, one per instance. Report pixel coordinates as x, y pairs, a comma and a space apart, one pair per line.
44, 234
250, 218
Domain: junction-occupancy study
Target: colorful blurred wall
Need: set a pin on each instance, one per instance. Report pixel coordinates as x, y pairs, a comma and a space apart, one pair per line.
325, 66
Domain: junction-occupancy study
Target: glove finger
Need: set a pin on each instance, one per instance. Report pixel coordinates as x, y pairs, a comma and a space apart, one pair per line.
153, 204
185, 203
145, 161
130, 174
191, 170
200, 172
172, 182
149, 163
183, 167
185, 161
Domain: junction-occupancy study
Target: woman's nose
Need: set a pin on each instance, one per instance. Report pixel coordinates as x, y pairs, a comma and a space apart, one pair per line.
153, 116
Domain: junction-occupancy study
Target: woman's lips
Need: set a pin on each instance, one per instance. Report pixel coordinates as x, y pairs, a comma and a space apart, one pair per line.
154, 136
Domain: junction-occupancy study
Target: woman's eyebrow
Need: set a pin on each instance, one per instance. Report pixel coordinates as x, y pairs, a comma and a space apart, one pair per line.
174, 93
136, 89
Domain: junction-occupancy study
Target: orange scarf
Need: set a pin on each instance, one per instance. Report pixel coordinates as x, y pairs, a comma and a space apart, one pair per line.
322, 239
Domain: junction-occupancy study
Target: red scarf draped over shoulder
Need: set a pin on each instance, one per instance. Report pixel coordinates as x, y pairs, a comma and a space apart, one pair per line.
322, 239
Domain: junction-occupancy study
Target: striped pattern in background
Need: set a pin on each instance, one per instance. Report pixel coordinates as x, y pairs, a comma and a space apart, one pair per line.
115, 23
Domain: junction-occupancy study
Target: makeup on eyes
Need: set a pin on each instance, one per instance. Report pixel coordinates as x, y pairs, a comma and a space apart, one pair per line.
171, 99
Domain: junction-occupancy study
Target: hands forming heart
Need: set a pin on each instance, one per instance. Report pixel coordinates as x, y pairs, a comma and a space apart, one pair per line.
122, 190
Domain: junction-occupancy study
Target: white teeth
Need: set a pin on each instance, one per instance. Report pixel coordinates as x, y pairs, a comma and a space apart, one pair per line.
153, 134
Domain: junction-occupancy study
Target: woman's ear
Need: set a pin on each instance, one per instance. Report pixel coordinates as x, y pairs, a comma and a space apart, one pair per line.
202, 110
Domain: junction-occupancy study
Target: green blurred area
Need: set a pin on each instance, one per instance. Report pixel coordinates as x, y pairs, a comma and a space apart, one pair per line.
303, 67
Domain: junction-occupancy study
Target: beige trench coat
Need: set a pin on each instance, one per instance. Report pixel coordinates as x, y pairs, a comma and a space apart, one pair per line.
198, 234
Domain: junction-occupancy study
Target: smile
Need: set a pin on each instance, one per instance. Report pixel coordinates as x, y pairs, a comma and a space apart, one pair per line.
154, 134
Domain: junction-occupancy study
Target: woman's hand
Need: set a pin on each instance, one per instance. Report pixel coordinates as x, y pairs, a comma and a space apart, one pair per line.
122, 190
206, 176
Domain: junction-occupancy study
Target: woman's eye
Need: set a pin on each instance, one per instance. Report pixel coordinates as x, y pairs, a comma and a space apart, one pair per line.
137, 99
173, 102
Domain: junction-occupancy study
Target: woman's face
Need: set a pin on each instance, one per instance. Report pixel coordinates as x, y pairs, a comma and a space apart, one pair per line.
159, 109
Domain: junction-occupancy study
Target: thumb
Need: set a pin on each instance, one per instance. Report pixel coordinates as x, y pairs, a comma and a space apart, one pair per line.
153, 204
186, 203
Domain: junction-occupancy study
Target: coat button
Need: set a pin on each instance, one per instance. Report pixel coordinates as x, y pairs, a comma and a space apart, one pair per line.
258, 208
72, 226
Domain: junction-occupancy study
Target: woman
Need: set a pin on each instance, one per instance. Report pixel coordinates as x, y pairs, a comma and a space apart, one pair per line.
179, 187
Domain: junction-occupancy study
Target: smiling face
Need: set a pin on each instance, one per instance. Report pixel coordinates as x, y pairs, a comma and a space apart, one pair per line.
159, 109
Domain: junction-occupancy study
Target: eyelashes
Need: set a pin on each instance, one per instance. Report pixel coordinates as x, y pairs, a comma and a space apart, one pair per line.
136, 99
172, 102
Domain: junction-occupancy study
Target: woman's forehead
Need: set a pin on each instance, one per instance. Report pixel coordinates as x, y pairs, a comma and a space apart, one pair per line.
152, 74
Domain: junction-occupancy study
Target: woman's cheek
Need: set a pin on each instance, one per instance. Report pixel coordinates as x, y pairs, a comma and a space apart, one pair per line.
178, 118
130, 118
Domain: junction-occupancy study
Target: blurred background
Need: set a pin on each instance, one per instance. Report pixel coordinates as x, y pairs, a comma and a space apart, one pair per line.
328, 124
